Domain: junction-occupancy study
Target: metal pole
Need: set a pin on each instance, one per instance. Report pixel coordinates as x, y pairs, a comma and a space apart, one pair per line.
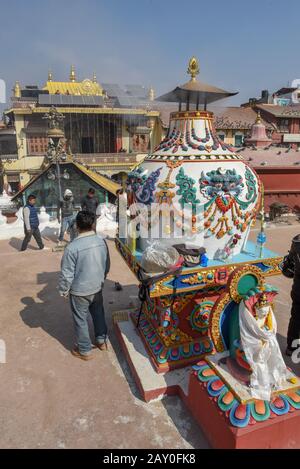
59, 187
58, 179
262, 221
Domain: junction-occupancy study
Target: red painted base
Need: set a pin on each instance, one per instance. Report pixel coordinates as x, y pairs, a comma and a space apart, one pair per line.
279, 432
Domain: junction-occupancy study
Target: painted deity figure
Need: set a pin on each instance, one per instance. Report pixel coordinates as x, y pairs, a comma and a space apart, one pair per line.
256, 352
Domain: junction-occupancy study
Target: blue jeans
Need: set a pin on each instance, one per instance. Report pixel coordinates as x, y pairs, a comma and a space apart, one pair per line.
81, 307
67, 225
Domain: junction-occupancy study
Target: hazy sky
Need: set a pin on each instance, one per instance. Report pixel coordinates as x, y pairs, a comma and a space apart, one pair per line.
241, 45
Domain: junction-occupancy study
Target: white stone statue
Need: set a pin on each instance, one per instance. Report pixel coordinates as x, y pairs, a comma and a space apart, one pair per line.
258, 329
43, 216
3, 219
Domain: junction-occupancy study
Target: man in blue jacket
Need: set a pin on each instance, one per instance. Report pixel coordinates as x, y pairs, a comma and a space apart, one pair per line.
31, 224
84, 267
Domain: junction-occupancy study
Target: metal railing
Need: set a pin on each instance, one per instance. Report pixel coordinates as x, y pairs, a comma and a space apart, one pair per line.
106, 157
8, 156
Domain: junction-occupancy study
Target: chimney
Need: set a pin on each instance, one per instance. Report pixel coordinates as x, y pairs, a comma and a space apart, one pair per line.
265, 96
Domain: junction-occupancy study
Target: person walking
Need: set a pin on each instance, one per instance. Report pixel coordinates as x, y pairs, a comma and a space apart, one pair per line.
84, 267
31, 224
90, 201
65, 216
292, 269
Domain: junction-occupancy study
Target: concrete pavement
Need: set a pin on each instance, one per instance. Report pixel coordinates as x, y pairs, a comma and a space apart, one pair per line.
49, 399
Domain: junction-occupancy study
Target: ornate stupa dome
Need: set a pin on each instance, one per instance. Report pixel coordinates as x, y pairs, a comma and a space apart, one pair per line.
199, 190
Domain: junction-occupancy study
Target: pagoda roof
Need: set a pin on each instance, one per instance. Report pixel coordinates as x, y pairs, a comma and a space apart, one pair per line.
280, 111
195, 91
270, 156
235, 117
107, 184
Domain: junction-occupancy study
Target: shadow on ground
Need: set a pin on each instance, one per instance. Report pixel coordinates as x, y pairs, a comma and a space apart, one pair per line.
50, 312
185, 423
16, 244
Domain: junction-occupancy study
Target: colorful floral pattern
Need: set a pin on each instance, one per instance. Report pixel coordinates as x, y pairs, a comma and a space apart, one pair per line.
199, 317
175, 353
242, 415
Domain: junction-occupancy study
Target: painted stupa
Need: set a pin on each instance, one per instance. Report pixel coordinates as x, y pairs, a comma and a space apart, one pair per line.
199, 190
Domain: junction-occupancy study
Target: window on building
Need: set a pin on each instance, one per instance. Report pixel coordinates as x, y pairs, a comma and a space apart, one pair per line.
37, 146
283, 125
14, 182
238, 140
221, 136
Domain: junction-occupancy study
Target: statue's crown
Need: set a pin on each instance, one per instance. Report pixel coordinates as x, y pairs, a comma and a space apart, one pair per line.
263, 300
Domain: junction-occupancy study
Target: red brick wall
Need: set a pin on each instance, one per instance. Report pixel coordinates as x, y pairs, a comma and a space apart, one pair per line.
282, 184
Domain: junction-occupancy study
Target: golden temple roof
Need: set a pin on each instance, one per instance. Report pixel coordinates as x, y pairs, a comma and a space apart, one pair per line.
73, 87
86, 87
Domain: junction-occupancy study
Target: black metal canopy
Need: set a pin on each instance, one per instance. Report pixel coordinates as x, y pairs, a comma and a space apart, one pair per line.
194, 91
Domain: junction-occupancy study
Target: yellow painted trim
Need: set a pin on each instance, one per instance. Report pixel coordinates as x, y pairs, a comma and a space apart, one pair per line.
101, 165
110, 186
83, 110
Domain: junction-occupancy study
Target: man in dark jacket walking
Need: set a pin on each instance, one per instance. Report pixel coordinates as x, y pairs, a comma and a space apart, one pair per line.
65, 215
31, 224
90, 202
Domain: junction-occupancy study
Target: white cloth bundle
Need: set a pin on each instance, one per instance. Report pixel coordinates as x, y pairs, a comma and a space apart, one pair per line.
262, 351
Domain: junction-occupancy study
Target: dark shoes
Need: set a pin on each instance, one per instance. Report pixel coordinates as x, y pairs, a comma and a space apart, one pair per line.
102, 346
86, 357
75, 352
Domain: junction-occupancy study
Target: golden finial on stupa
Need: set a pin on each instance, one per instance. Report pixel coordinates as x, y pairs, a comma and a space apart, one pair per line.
17, 90
94, 77
193, 68
151, 94
72, 74
50, 76
258, 118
